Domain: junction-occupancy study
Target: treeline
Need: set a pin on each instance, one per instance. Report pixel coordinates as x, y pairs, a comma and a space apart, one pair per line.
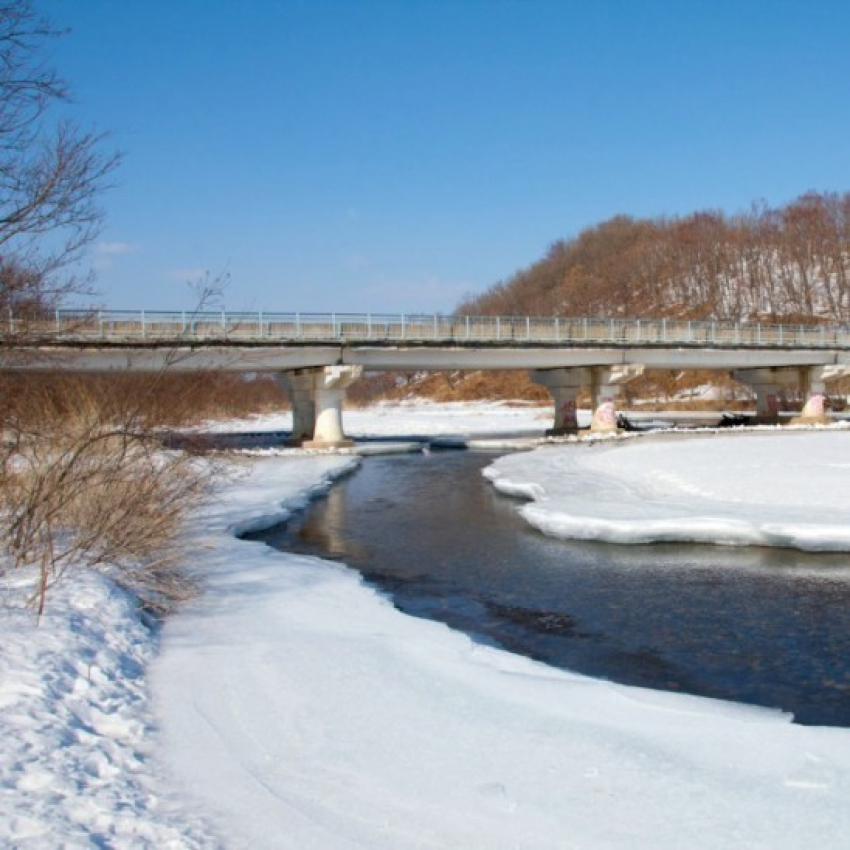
788, 265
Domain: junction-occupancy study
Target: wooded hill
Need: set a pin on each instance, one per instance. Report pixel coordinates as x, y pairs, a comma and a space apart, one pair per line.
787, 265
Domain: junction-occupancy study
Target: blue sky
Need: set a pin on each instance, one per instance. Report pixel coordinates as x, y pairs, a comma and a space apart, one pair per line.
368, 155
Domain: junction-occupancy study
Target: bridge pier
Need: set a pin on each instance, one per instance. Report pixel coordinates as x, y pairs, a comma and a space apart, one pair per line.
563, 385
317, 397
299, 387
605, 388
605, 383
769, 385
814, 380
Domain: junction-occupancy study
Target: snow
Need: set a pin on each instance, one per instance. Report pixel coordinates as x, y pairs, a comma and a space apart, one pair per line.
454, 422
790, 490
77, 765
290, 705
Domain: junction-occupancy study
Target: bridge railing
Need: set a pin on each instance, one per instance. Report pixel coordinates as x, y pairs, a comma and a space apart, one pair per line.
122, 326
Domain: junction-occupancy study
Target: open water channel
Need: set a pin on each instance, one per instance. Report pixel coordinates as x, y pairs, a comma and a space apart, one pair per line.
763, 626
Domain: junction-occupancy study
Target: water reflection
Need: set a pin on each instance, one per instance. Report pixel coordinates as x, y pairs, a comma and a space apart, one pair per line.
757, 625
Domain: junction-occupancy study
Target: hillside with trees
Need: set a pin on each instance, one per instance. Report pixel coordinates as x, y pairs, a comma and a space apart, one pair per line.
786, 265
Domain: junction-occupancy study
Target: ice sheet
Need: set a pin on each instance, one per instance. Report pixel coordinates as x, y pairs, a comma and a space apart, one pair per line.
764, 488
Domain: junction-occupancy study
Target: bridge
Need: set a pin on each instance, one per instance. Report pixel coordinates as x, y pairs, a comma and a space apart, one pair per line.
316, 357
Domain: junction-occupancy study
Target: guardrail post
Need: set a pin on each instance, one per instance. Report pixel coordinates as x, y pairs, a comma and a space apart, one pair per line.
298, 325
436, 332
100, 322
528, 328
584, 329
403, 327
498, 327
260, 322
144, 328
467, 327
557, 329
780, 334
369, 324
57, 320
334, 331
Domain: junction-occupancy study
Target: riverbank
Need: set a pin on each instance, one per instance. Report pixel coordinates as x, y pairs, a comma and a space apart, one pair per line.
290, 705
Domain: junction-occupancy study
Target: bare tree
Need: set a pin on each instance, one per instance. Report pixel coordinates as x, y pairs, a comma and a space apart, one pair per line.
51, 171
84, 480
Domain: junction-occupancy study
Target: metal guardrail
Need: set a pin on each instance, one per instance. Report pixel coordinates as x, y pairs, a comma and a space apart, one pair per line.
150, 327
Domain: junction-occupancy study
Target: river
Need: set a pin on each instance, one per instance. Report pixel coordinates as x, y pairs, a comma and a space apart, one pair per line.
763, 626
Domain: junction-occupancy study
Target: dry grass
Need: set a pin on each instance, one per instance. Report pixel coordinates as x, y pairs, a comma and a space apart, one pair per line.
85, 483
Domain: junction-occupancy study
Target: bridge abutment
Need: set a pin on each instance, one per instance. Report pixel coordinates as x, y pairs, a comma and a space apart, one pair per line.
317, 397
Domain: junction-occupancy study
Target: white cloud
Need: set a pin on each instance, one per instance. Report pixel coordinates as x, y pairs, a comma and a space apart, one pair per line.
111, 249
357, 261
187, 275
106, 252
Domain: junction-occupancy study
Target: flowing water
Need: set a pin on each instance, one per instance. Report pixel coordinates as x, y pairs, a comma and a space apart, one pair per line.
763, 626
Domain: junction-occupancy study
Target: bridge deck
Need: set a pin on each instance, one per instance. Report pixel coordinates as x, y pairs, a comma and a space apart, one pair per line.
263, 329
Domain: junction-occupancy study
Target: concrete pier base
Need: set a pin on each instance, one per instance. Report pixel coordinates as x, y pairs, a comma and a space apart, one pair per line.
605, 383
770, 384
605, 389
317, 397
563, 385
299, 387
814, 412
769, 387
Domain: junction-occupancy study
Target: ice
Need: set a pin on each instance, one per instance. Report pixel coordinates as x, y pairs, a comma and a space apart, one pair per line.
765, 488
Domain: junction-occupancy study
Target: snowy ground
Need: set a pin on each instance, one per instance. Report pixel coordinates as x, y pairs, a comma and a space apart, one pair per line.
291, 706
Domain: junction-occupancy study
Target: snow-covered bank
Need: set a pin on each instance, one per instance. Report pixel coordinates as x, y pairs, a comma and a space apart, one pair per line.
77, 728
79, 761
766, 488
305, 711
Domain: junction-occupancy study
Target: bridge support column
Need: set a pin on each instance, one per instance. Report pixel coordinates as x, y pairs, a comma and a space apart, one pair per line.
329, 394
605, 387
769, 385
317, 397
299, 387
814, 384
563, 385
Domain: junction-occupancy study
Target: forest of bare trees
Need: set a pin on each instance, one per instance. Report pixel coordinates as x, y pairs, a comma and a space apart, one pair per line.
787, 265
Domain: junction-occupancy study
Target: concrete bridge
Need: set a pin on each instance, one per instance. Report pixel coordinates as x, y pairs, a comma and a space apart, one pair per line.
316, 357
